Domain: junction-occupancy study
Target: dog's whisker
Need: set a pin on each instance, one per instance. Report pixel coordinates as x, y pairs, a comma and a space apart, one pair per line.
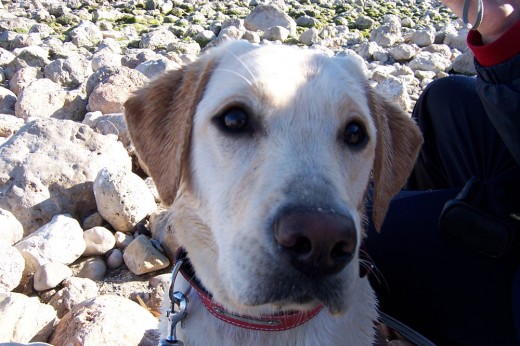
245, 66
237, 74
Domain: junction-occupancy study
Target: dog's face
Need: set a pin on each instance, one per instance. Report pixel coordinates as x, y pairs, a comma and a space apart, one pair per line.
266, 154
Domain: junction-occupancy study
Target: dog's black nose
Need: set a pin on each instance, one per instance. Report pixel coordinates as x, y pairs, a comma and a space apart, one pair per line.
316, 242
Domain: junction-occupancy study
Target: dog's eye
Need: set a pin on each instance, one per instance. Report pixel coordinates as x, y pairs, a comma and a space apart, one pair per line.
355, 134
235, 120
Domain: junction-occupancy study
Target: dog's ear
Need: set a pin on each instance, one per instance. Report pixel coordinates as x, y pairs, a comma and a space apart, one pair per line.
159, 118
398, 143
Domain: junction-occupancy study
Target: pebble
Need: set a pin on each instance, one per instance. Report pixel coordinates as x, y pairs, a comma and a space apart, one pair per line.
50, 275
98, 241
142, 257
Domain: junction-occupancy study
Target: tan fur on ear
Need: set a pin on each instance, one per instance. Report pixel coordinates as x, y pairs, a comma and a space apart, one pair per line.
159, 118
398, 143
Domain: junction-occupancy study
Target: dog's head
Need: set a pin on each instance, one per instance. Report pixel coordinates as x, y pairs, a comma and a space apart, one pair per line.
266, 154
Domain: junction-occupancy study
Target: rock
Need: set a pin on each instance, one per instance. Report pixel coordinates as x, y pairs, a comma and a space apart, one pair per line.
387, 34
364, 22
142, 257
34, 56
48, 167
50, 275
93, 268
424, 37
310, 36
154, 68
156, 39
98, 240
122, 197
23, 77
93, 220
429, 62
106, 320
106, 58
75, 290
402, 52
70, 72
24, 319
12, 265
59, 241
45, 99
153, 189
264, 17
86, 34
123, 239
307, 21
110, 95
12, 229
204, 37
276, 33
114, 259
395, 91
7, 101
465, 64
109, 124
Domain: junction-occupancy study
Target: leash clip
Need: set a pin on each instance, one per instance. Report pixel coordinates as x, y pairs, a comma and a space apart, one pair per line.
178, 309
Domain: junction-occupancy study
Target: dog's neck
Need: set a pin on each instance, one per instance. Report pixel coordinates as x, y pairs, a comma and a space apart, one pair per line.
275, 322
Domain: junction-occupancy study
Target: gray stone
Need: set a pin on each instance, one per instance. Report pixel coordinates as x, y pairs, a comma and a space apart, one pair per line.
154, 68
142, 257
7, 101
23, 77
114, 259
395, 91
310, 36
122, 197
157, 39
123, 239
70, 72
48, 167
93, 220
464, 63
402, 52
429, 62
276, 33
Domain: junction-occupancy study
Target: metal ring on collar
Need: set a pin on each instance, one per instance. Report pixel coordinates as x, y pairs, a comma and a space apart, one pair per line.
480, 12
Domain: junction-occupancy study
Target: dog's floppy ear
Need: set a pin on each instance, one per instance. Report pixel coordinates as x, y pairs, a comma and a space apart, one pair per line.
398, 143
159, 118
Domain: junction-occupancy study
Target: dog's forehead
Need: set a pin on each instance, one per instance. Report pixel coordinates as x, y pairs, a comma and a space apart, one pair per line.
281, 74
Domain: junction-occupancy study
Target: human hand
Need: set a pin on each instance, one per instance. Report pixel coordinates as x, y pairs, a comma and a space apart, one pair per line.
498, 16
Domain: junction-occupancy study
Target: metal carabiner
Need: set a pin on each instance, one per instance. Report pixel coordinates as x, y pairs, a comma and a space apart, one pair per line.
178, 299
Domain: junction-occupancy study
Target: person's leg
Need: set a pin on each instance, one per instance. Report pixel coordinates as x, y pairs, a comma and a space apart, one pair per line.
449, 293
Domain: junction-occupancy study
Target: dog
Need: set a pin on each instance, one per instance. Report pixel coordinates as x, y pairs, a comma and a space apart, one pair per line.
265, 155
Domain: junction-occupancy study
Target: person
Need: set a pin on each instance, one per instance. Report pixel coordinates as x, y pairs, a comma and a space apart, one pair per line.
447, 256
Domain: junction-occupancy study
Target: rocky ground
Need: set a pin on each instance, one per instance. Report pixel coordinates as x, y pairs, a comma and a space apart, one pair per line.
85, 257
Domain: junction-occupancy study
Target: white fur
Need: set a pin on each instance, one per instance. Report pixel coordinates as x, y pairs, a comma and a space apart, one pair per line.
223, 216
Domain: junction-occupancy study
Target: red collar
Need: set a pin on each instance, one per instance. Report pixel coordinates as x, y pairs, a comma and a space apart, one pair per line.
272, 323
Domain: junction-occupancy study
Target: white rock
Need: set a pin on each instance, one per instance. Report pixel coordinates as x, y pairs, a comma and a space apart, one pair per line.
48, 168
155, 39
465, 64
154, 68
93, 268
276, 33
264, 17
142, 257
70, 72
60, 241
310, 36
50, 275
12, 265
429, 62
395, 90
24, 319
109, 95
122, 197
424, 37
11, 230
98, 240
75, 290
45, 99
23, 77
402, 52
105, 58
106, 320
86, 34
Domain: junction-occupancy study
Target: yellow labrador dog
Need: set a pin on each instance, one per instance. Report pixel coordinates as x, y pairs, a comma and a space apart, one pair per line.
265, 154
